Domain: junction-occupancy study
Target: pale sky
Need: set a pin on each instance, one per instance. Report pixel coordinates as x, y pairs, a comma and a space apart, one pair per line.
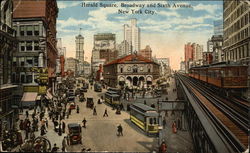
167, 31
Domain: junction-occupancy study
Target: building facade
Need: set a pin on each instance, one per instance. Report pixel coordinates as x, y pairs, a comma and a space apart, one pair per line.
87, 69
209, 46
164, 66
35, 23
218, 27
104, 50
9, 100
218, 55
236, 34
80, 53
123, 48
132, 71
72, 64
132, 35
147, 52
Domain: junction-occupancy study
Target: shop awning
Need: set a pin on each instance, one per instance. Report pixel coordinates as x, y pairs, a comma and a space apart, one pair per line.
29, 96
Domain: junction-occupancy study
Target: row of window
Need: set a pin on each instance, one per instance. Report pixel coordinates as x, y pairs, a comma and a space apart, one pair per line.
238, 53
238, 37
28, 30
237, 12
134, 70
25, 61
22, 78
29, 46
244, 20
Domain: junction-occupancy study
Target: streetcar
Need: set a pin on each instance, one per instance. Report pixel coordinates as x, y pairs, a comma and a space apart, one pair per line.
118, 91
112, 98
145, 117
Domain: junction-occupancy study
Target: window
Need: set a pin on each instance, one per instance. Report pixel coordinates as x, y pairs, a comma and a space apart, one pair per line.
141, 68
22, 44
22, 78
14, 77
29, 46
135, 69
21, 30
121, 70
29, 30
29, 78
21, 60
36, 45
35, 61
36, 30
29, 61
149, 70
14, 61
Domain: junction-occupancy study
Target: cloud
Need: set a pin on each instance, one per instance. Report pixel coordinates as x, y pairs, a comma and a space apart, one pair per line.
63, 5
172, 13
209, 8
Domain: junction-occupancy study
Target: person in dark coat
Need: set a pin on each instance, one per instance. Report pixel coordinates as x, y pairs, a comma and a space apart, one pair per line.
94, 111
164, 122
84, 121
77, 109
105, 113
63, 127
119, 129
27, 114
55, 148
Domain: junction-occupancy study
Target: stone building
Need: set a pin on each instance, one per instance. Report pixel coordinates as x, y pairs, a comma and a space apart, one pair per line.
35, 23
131, 70
9, 100
147, 52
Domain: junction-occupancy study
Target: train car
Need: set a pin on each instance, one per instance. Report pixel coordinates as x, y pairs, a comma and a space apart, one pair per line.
112, 98
222, 75
145, 117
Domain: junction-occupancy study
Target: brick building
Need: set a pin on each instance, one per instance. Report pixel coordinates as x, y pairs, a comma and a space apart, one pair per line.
35, 23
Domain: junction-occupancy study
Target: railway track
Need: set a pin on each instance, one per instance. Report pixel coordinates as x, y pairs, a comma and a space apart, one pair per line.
231, 122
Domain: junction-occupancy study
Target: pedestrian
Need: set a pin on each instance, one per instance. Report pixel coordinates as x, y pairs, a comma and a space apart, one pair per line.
178, 124
84, 121
145, 103
105, 113
55, 148
164, 122
27, 114
94, 111
69, 111
64, 144
21, 125
163, 147
42, 130
46, 122
63, 127
77, 109
119, 129
32, 135
174, 129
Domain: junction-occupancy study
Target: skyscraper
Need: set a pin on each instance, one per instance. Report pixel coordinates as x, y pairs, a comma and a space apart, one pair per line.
218, 27
236, 28
79, 48
132, 36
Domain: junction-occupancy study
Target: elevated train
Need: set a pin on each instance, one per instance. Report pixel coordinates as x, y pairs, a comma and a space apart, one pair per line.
222, 75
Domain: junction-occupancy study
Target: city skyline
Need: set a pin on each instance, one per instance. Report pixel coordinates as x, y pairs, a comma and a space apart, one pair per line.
165, 32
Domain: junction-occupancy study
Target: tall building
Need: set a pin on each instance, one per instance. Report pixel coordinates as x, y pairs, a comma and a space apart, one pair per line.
9, 101
218, 55
236, 28
147, 52
164, 66
123, 48
80, 48
104, 50
218, 27
132, 36
197, 53
35, 23
209, 46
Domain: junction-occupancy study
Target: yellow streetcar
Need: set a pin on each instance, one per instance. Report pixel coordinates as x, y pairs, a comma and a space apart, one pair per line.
145, 117
112, 98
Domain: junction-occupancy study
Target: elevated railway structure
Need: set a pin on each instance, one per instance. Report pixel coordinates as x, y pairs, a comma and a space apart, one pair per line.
217, 124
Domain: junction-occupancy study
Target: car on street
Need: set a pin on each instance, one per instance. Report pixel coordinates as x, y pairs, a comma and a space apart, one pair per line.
74, 133
97, 87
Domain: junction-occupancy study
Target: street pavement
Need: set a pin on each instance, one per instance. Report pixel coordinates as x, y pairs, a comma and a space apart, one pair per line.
100, 133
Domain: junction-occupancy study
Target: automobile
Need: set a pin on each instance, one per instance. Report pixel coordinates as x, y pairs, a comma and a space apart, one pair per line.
74, 133
85, 88
90, 103
72, 105
97, 87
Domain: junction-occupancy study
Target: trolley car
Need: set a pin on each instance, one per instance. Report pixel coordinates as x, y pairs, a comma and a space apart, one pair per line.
112, 98
145, 117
